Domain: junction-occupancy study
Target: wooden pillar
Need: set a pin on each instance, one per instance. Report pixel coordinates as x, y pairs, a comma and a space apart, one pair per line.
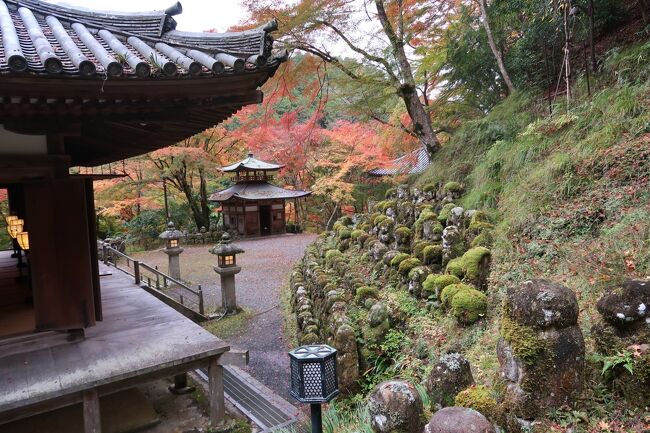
217, 403
92, 418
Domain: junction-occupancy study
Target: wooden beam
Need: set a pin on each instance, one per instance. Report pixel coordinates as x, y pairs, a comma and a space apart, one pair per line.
234, 357
217, 402
92, 418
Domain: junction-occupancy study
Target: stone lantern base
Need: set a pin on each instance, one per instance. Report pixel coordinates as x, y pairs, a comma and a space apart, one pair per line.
228, 297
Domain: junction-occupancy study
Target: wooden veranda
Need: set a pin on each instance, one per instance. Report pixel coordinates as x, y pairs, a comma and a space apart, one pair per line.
140, 339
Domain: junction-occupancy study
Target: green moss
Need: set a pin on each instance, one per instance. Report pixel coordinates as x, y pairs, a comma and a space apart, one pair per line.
356, 233
432, 254
379, 219
345, 220
479, 398
442, 281
524, 341
468, 305
364, 226
390, 192
454, 187
455, 267
418, 249
345, 234
427, 214
428, 286
445, 212
403, 235
387, 224
484, 239
383, 206
406, 265
450, 291
365, 292
399, 258
332, 256
471, 260
418, 273
429, 187
338, 226
310, 338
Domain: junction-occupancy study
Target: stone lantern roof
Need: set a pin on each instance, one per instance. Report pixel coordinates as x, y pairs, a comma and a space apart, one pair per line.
225, 247
171, 232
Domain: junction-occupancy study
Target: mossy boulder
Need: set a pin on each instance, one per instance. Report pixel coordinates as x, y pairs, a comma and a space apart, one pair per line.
426, 215
310, 338
468, 306
473, 266
458, 420
480, 222
625, 305
390, 193
435, 283
454, 188
432, 254
331, 256
455, 268
483, 239
430, 188
377, 220
416, 277
345, 234
399, 258
383, 206
365, 292
407, 265
451, 290
445, 212
418, 248
542, 303
480, 398
403, 235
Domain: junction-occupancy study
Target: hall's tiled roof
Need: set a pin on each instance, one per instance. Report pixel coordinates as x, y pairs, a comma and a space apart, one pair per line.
414, 162
51, 39
257, 191
252, 163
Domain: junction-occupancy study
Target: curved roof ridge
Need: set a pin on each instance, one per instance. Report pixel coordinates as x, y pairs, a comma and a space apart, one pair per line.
252, 163
257, 191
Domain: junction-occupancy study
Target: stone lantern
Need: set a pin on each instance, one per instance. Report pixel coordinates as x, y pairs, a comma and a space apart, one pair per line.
227, 268
173, 250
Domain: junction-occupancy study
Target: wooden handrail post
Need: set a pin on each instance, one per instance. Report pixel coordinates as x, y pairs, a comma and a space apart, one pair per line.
136, 271
105, 253
201, 304
217, 404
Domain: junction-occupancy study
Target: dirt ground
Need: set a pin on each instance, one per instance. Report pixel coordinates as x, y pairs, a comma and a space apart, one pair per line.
266, 265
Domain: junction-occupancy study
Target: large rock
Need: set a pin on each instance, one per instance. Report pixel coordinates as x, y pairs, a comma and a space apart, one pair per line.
626, 304
542, 303
395, 406
458, 420
541, 352
450, 375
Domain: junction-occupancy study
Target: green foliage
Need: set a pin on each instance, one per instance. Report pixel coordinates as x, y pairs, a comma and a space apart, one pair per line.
345, 234
407, 265
468, 305
449, 291
623, 359
332, 256
453, 187
399, 258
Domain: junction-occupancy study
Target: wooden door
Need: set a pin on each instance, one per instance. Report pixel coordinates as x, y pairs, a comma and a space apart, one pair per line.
60, 258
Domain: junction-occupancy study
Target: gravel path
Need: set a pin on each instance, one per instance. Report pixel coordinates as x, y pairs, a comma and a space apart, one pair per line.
266, 265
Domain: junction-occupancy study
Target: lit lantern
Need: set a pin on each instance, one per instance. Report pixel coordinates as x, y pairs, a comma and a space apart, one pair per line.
226, 252
23, 240
314, 379
171, 235
15, 226
10, 218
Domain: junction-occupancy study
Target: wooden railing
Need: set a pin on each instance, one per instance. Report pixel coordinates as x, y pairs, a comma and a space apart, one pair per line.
264, 178
151, 277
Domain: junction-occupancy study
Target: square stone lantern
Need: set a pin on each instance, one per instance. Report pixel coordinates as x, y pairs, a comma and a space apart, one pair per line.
173, 250
227, 268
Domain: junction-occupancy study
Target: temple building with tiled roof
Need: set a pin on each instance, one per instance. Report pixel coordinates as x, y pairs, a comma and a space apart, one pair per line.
82, 88
253, 206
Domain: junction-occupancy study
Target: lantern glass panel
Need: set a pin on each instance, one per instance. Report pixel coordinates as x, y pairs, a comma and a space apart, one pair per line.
173, 243
229, 260
313, 374
23, 241
15, 227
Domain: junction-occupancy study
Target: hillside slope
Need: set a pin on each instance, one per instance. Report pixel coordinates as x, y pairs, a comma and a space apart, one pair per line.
563, 198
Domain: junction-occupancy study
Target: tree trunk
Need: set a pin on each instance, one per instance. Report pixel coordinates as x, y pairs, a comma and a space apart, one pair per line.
205, 209
195, 206
567, 55
643, 4
493, 47
407, 90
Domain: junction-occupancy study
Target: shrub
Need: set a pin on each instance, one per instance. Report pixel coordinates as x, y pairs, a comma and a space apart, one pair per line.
365, 292
432, 254
480, 399
452, 290
399, 258
468, 305
406, 265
